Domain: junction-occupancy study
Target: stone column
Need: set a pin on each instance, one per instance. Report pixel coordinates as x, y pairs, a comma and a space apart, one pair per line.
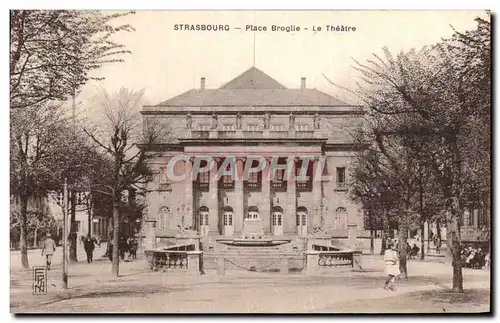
312, 266
285, 266
214, 200
290, 224
150, 233
193, 259
265, 204
221, 266
188, 195
316, 190
352, 236
239, 205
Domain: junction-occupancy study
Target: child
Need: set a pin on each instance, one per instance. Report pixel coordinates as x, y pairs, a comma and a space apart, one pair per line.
391, 265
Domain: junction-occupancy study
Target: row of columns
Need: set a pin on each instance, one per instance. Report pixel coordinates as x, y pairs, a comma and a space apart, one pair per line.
290, 210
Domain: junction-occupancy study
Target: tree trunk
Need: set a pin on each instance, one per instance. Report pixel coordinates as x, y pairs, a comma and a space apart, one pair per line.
428, 237
89, 210
23, 243
454, 247
36, 232
116, 234
385, 234
372, 247
73, 234
110, 229
403, 240
422, 241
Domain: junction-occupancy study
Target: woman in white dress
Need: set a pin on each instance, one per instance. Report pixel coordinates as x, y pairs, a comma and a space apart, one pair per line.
391, 265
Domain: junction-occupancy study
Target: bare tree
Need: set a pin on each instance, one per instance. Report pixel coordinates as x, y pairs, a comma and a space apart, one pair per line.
117, 130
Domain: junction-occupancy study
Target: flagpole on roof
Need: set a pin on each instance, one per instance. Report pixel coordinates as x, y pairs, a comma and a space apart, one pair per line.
254, 40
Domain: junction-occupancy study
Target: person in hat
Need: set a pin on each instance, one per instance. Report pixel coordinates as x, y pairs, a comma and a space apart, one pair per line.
89, 248
391, 265
48, 247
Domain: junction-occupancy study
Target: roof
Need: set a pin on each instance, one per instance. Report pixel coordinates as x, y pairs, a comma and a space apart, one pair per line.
253, 78
253, 88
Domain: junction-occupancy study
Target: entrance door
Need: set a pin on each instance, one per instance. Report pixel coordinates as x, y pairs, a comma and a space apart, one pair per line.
277, 218
302, 221
228, 228
277, 223
204, 227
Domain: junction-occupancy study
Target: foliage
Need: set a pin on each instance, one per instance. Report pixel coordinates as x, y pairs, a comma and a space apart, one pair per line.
429, 119
52, 52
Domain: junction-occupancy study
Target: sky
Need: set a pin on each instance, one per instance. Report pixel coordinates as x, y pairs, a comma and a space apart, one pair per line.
165, 62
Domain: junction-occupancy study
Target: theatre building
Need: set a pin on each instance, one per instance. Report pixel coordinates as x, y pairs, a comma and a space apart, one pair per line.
253, 115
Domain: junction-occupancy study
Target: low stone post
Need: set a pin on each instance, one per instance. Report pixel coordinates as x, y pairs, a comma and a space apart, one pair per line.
193, 258
221, 269
312, 265
352, 236
285, 265
150, 233
356, 258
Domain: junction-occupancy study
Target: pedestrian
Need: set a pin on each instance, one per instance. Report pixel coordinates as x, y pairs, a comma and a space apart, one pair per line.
89, 248
391, 262
438, 246
48, 247
109, 250
132, 247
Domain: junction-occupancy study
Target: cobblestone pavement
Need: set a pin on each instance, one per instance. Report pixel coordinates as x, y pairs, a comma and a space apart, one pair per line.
93, 289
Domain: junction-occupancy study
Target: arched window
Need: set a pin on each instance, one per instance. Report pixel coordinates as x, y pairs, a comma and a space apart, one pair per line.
165, 218
204, 215
228, 215
340, 218
301, 216
252, 212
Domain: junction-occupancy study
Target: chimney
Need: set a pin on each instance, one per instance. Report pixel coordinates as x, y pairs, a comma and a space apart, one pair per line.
303, 83
202, 83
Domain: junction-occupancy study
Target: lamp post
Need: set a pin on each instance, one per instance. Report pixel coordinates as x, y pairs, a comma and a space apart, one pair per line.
65, 236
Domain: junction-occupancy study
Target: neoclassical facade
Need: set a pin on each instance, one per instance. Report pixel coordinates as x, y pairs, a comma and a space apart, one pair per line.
254, 115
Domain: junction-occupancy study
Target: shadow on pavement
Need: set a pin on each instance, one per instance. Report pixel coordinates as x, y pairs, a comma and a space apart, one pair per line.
471, 297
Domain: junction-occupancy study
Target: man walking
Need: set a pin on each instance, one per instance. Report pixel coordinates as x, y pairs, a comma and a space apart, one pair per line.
49, 247
89, 248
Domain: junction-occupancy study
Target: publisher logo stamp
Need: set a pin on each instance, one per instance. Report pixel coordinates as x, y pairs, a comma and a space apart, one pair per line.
39, 280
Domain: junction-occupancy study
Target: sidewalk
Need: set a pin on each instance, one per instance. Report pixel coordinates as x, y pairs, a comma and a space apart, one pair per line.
92, 288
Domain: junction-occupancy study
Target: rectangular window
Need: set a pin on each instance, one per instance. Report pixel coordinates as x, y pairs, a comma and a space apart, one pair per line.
253, 127
253, 177
278, 127
481, 217
279, 175
340, 175
204, 126
471, 217
204, 177
228, 127
302, 127
163, 175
